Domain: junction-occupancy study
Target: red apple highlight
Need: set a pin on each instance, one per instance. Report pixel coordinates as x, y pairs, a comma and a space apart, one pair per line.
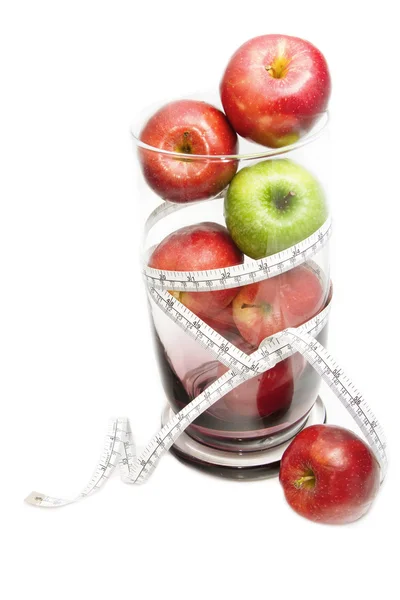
199, 248
274, 89
287, 300
329, 475
188, 127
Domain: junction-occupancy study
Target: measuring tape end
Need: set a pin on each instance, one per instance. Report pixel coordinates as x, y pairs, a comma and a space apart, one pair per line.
35, 498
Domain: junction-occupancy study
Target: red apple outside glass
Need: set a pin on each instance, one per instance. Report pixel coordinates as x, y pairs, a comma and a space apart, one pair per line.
188, 127
286, 300
329, 474
199, 247
274, 89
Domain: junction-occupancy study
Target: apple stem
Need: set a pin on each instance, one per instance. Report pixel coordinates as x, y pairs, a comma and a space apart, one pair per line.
279, 67
270, 70
289, 195
300, 482
186, 147
284, 202
264, 306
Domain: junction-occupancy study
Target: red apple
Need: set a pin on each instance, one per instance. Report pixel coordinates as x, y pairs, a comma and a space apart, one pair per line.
223, 321
274, 89
199, 247
329, 474
188, 127
287, 300
268, 393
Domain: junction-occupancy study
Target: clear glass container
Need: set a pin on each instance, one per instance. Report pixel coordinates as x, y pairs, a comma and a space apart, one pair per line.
268, 409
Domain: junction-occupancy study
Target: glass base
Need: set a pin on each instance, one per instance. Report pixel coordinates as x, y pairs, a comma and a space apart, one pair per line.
236, 465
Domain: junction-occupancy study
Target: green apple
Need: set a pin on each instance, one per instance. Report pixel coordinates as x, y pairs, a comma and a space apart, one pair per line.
273, 205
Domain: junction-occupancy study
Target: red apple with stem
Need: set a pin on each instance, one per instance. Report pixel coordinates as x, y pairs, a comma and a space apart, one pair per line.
199, 247
274, 89
329, 474
286, 300
186, 128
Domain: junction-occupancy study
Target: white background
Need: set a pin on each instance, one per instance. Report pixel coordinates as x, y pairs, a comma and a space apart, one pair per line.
75, 339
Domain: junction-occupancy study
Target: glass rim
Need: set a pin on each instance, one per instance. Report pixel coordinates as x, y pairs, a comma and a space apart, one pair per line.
310, 137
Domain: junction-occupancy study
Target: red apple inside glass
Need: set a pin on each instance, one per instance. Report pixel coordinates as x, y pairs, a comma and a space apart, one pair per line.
188, 127
266, 394
223, 322
274, 89
199, 247
329, 475
287, 300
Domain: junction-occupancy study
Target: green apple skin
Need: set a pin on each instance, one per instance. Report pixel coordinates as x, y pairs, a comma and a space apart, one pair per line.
273, 205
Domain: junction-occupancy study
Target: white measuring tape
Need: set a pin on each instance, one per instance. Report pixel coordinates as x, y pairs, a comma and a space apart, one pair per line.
119, 448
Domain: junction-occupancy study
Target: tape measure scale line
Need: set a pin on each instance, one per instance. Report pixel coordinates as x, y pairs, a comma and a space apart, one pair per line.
139, 469
345, 391
262, 355
101, 474
119, 437
119, 447
249, 272
220, 347
164, 439
172, 430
